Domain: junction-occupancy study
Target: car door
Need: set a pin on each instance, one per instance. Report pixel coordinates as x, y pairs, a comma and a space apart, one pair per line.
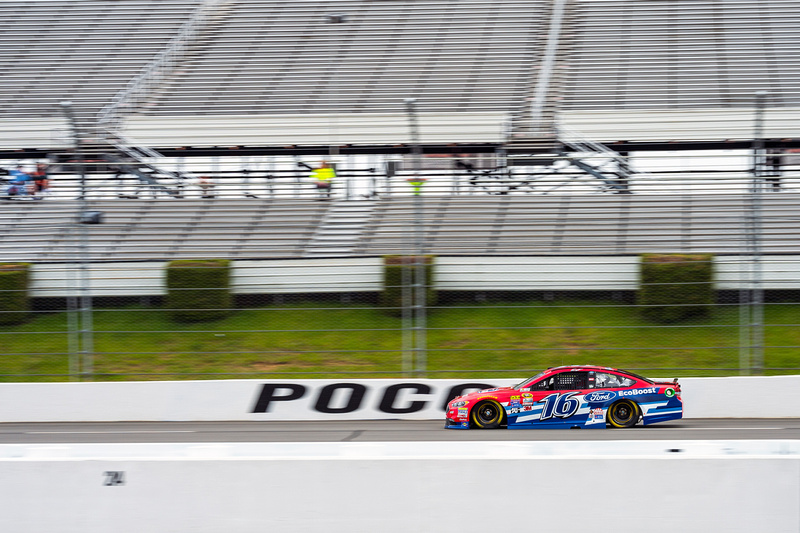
563, 404
554, 399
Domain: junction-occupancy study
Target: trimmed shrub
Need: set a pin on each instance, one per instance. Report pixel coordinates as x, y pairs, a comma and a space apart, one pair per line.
676, 286
393, 267
198, 290
14, 299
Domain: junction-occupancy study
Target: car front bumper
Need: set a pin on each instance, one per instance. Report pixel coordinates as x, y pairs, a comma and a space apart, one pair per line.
449, 423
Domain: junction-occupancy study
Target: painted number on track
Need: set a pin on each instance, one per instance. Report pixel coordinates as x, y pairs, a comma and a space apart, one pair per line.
113, 478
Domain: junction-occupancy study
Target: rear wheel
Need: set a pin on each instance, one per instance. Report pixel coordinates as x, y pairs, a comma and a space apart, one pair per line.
487, 415
623, 414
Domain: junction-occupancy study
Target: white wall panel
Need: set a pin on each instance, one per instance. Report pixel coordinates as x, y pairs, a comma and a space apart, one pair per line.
318, 129
537, 273
319, 399
365, 274
399, 487
308, 275
741, 397
106, 279
777, 272
681, 124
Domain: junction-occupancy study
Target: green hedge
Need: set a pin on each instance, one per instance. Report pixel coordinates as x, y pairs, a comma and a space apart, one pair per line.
676, 286
393, 266
199, 290
14, 299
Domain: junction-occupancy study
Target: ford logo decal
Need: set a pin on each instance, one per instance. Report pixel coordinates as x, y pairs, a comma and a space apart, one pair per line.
600, 396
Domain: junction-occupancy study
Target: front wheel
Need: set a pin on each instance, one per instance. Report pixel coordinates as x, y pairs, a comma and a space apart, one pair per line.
623, 414
487, 415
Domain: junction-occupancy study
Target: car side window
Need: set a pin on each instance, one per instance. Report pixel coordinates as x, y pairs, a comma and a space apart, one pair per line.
545, 384
570, 381
605, 380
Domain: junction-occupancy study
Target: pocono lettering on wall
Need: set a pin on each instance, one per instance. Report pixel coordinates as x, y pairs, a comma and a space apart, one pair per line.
348, 397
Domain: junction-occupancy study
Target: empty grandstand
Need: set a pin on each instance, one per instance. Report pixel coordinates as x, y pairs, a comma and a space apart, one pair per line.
539, 145
502, 225
84, 51
475, 67
250, 92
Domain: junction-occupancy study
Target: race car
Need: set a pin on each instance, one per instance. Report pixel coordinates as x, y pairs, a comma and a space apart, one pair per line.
582, 396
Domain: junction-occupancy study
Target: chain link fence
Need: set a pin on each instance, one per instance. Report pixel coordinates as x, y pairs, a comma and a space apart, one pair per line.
497, 278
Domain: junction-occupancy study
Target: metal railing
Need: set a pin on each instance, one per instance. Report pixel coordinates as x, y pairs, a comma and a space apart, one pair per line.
153, 75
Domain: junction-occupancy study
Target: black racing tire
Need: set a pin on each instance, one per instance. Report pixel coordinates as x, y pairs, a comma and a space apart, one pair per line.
488, 414
623, 414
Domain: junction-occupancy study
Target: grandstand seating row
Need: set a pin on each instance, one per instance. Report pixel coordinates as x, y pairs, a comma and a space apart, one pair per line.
505, 225
679, 54
272, 56
285, 58
277, 57
85, 51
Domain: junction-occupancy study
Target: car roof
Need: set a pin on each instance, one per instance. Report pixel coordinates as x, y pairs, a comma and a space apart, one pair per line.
594, 368
583, 367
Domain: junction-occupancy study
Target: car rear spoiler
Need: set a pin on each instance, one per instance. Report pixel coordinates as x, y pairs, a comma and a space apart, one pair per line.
674, 383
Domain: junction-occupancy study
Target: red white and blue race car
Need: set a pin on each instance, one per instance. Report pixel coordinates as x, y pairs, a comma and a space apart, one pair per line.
581, 396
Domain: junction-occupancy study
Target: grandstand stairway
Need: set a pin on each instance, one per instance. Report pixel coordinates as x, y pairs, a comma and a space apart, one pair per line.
340, 229
597, 160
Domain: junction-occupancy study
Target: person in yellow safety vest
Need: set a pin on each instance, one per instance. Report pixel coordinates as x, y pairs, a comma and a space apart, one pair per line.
417, 184
323, 178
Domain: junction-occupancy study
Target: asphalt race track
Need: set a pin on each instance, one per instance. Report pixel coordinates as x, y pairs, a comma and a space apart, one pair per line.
380, 431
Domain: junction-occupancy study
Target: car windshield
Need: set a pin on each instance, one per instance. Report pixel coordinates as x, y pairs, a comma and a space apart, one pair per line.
528, 381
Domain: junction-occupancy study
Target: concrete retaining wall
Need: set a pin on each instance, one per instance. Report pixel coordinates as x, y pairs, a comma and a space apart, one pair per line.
365, 274
401, 487
732, 397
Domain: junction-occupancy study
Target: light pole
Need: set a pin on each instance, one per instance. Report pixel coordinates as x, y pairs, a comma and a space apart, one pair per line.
751, 351
335, 20
81, 310
418, 291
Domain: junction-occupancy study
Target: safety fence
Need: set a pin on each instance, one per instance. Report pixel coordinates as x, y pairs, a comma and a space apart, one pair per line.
351, 316
525, 236
696, 274
580, 167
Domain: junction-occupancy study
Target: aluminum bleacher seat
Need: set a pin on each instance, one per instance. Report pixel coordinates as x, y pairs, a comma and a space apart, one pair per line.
28, 229
271, 57
652, 54
498, 225
55, 50
584, 225
277, 57
159, 229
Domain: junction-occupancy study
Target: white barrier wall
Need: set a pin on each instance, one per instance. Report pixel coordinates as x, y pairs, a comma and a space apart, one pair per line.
242, 400
741, 397
439, 487
231, 400
365, 274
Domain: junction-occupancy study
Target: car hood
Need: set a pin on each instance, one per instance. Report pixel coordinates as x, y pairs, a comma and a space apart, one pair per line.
498, 393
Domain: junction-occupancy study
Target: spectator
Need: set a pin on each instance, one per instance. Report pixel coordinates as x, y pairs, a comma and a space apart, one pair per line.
323, 179
246, 184
416, 184
119, 177
41, 181
774, 168
180, 180
206, 187
18, 182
